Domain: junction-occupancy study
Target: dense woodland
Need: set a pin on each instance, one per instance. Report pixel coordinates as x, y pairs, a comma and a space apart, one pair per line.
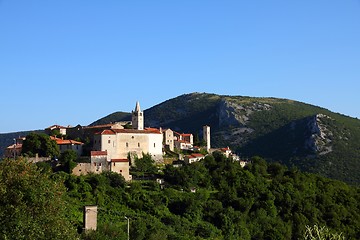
260, 201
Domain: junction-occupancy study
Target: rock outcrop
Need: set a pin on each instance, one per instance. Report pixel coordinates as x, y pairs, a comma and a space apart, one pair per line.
319, 139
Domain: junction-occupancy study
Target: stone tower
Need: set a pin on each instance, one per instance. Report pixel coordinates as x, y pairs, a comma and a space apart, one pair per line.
206, 136
138, 118
90, 218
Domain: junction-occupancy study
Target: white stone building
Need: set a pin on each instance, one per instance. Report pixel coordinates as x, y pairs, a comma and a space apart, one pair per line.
195, 157
119, 143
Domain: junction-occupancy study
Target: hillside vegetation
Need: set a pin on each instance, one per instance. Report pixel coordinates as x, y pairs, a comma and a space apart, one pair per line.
311, 138
260, 201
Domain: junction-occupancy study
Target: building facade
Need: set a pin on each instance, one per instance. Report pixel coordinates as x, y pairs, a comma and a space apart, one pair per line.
122, 143
66, 144
169, 138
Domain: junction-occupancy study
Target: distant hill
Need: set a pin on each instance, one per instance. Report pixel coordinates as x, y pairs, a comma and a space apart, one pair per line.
299, 135
113, 117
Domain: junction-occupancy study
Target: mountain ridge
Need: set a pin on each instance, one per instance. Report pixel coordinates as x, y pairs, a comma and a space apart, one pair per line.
296, 134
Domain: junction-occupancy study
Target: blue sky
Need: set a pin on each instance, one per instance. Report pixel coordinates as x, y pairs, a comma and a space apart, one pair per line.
73, 62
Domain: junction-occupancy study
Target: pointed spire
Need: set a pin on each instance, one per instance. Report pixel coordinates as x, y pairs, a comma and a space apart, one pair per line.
137, 107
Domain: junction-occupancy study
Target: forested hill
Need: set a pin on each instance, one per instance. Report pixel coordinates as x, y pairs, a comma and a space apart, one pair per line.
297, 134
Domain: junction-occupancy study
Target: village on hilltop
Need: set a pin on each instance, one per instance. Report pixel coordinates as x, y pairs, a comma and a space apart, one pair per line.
116, 145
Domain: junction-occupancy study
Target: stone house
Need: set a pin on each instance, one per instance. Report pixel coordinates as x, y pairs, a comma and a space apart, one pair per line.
100, 162
226, 151
195, 157
67, 144
183, 145
61, 129
13, 150
121, 166
169, 138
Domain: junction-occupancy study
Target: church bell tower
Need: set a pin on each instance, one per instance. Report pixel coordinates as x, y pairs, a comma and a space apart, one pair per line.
138, 118
206, 137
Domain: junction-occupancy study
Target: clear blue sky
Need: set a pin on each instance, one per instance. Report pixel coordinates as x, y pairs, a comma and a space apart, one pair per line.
72, 62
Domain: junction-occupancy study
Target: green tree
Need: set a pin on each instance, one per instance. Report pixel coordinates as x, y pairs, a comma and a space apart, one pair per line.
145, 164
115, 180
40, 144
68, 160
32, 204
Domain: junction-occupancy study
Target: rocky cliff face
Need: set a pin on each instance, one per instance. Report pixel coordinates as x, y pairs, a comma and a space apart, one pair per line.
232, 113
319, 136
234, 117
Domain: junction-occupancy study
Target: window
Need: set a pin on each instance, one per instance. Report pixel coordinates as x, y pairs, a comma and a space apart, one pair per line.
127, 144
154, 145
95, 164
109, 141
120, 170
100, 164
114, 164
138, 144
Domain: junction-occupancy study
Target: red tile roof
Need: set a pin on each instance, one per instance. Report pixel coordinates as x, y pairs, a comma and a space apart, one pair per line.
60, 141
225, 149
186, 134
183, 141
98, 153
120, 160
197, 155
101, 126
134, 131
153, 130
106, 132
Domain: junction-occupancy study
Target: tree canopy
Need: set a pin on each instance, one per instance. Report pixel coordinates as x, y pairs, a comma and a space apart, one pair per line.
214, 198
217, 199
32, 204
41, 144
